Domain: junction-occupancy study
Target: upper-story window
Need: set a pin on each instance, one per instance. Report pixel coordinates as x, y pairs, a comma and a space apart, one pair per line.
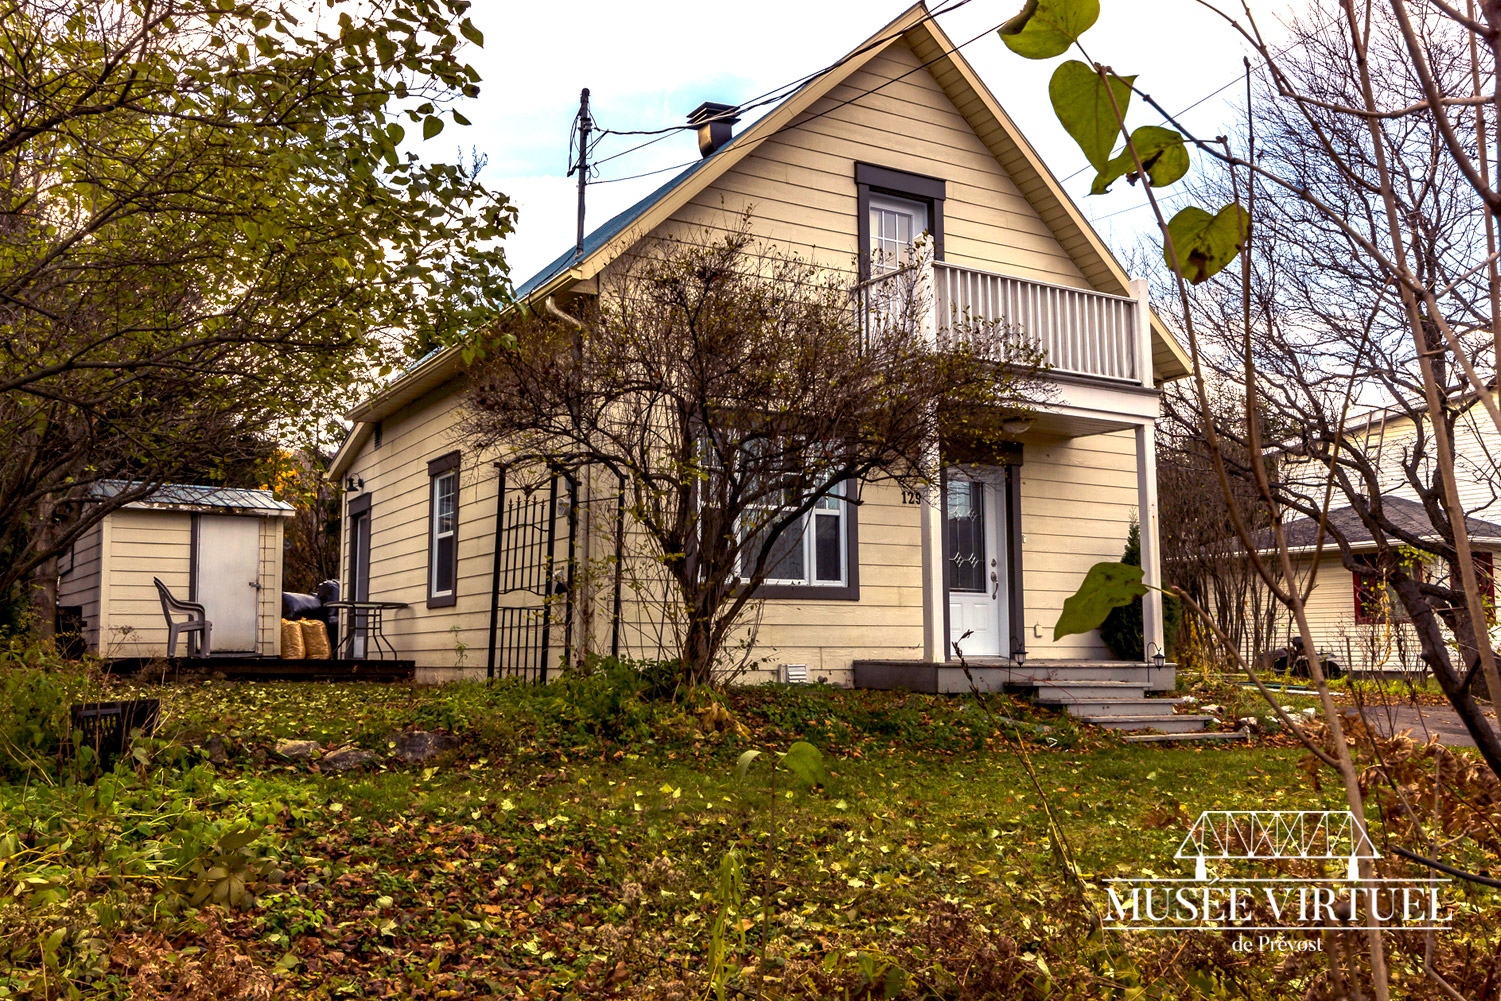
896, 208
895, 226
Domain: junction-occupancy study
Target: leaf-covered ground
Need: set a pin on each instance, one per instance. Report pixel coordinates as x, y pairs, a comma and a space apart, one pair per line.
583, 842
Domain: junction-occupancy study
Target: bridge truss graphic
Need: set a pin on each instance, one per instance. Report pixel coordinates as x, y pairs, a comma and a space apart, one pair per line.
1277, 834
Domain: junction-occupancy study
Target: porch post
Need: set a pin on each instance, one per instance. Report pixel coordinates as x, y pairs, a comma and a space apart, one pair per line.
935, 645
1146, 514
934, 620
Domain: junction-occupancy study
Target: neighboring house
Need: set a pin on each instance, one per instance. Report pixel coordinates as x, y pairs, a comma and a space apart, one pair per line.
898, 139
1353, 615
220, 547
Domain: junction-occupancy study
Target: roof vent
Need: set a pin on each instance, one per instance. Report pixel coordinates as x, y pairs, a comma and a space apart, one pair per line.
714, 123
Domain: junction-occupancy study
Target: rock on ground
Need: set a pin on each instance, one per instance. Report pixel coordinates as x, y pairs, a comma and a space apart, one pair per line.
419, 745
346, 758
300, 750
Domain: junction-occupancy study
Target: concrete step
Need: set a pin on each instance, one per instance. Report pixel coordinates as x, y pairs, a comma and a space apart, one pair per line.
1164, 723
1206, 736
1109, 707
1154, 678
1058, 692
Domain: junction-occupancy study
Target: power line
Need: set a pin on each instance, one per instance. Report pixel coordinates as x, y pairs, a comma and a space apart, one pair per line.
649, 173
845, 103
777, 94
1212, 94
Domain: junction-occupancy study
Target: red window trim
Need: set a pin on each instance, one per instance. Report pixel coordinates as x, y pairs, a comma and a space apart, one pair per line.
1366, 585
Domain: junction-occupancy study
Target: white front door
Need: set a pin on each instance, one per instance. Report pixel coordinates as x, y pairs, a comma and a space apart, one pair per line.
229, 577
977, 565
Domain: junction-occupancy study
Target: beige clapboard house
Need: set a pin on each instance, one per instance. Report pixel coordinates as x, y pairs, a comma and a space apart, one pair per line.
1352, 614
898, 139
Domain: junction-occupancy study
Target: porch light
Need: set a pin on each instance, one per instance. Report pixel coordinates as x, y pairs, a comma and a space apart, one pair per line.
1157, 657
354, 484
1019, 654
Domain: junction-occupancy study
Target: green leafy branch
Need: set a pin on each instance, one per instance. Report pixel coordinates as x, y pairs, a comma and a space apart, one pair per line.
1091, 101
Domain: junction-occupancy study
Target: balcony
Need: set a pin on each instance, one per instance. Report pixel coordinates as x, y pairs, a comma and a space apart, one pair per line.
1086, 334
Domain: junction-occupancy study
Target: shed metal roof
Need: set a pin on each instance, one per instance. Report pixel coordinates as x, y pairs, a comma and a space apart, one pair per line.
190, 497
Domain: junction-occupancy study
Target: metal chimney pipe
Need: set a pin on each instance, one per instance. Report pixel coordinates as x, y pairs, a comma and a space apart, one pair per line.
715, 124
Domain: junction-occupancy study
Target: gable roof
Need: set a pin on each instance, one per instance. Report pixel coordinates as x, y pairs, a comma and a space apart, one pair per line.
964, 89
1407, 515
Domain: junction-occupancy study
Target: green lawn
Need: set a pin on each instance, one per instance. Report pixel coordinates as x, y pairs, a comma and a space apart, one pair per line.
585, 843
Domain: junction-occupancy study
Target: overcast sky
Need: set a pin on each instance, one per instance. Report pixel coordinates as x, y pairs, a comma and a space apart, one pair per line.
648, 64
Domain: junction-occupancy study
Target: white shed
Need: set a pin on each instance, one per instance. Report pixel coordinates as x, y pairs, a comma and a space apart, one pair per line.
221, 547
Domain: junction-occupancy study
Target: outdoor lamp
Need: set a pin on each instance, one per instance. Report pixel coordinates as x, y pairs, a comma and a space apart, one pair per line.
354, 483
1019, 654
1157, 657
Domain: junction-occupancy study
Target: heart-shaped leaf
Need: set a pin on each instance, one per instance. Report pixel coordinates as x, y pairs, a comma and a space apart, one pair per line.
804, 761
1162, 153
431, 126
1206, 243
1082, 103
1046, 28
1106, 586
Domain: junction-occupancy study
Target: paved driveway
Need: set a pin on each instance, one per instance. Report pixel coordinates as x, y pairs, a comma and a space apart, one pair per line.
1422, 721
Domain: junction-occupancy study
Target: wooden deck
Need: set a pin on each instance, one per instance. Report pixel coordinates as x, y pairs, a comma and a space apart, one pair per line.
261, 669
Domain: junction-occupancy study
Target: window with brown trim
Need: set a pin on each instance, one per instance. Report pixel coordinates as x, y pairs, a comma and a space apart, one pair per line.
1485, 577
894, 208
443, 531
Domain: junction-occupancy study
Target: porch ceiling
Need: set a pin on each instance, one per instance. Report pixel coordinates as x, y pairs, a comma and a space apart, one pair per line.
1061, 425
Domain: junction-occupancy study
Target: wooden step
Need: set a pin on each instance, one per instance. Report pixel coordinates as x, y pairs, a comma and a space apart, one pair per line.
1164, 723
1203, 735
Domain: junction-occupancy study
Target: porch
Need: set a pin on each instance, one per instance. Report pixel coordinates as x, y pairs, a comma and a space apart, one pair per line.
976, 557
995, 674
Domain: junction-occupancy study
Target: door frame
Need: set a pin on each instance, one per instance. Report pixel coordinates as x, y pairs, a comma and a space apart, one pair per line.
359, 556
993, 508
1007, 466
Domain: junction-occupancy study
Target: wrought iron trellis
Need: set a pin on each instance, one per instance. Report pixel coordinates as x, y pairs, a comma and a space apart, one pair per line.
536, 574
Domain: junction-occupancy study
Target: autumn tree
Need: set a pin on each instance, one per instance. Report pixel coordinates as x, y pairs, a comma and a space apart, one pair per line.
734, 389
209, 234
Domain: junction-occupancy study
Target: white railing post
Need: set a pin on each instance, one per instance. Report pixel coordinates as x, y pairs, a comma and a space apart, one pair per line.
1142, 314
926, 293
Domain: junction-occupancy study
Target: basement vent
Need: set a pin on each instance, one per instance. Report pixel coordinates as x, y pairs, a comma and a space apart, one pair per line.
380, 429
795, 674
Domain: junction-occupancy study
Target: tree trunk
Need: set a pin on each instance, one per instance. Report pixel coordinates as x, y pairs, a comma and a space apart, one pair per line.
44, 602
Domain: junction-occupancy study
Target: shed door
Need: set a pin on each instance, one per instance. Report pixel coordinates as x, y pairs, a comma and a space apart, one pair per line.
228, 574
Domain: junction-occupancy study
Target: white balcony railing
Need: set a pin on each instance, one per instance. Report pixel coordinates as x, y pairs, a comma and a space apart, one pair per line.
1082, 332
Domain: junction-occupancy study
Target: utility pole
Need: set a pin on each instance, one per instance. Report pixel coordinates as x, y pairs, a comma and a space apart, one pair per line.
584, 125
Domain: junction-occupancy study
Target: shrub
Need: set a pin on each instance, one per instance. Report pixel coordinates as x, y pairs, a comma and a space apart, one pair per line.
37, 693
1121, 630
